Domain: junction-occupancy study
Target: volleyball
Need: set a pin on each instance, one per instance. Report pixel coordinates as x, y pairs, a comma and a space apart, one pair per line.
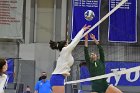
89, 15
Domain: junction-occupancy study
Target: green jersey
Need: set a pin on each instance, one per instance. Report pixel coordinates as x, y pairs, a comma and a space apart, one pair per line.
97, 68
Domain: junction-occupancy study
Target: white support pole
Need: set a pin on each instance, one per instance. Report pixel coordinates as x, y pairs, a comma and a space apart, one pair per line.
63, 19
27, 21
35, 26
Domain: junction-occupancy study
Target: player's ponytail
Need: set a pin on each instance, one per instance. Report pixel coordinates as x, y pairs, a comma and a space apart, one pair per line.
57, 45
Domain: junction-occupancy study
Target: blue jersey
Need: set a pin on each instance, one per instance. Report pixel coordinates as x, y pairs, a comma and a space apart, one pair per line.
43, 87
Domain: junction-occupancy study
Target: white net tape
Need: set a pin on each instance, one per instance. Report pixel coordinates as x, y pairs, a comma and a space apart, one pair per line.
130, 70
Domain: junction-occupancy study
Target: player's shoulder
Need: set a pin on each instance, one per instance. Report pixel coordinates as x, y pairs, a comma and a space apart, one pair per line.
4, 75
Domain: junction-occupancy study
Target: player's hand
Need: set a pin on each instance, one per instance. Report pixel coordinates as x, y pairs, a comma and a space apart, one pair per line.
92, 36
86, 27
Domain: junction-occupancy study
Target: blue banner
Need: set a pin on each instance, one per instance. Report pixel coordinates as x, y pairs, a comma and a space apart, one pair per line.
84, 73
85, 12
10, 71
123, 22
129, 79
